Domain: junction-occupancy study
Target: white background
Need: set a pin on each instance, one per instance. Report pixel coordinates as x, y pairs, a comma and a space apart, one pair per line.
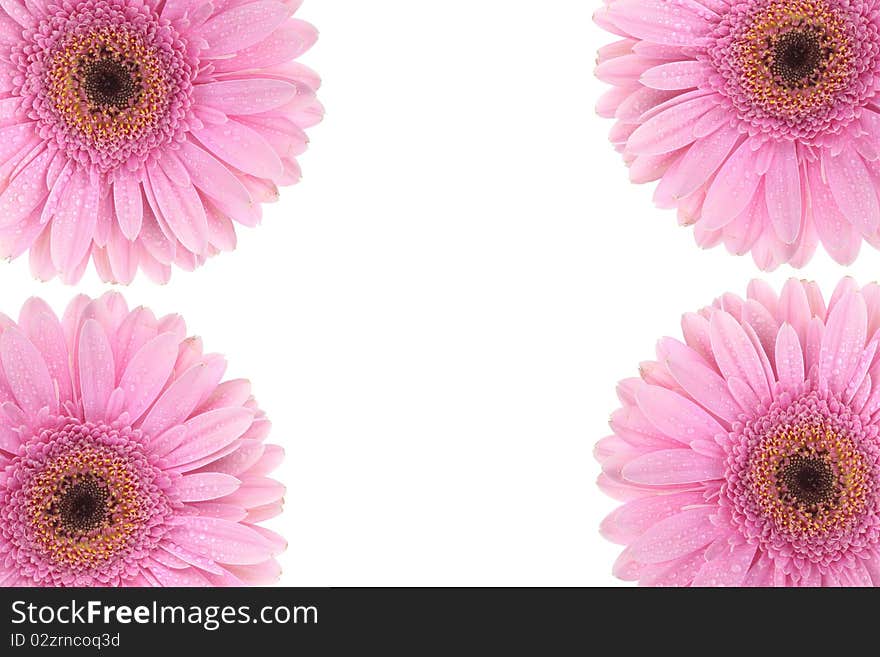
436, 317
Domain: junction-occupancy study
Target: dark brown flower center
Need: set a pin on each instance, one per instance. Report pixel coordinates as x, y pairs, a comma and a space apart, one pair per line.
108, 83
83, 505
797, 56
807, 481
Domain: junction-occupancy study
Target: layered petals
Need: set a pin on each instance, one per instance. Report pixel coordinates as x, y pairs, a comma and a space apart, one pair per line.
125, 460
137, 135
748, 454
765, 150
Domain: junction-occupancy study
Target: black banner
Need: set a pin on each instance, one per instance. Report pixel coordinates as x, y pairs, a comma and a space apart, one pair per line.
344, 621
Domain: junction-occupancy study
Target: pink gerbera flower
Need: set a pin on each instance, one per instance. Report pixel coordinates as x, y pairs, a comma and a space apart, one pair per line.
124, 460
758, 117
135, 132
749, 454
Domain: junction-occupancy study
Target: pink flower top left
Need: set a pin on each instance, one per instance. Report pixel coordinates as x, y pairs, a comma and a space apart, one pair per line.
136, 133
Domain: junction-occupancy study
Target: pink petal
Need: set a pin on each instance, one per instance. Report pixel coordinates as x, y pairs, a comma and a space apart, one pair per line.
789, 357
10, 31
727, 569
259, 574
284, 44
222, 541
623, 70
248, 453
138, 328
182, 210
180, 399
256, 492
155, 242
860, 374
733, 188
671, 129
122, 256
701, 161
96, 370
147, 372
216, 181
676, 536
210, 432
762, 323
176, 9
843, 342
250, 96
628, 522
241, 27
676, 416
181, 578
191, 557
646, 168
220, 510
206, 486
27, 373
840, 238
671, 23
763, 293
794, 308
686, 74
26, 191
670, 467
852, 188
243, 148
43, 329
701, 382
129, 204
269, 461
813, 345
678, 572
632, 425
783, 192
17, 10
167, 441
234, 392
735, 353
636, 104
73, 225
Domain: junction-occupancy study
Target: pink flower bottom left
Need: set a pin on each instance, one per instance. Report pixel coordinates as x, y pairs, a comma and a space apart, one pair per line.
125, 459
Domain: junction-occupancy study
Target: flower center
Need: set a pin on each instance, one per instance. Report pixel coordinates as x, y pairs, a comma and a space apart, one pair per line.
802, 479
83, 504
89, 503
109, 83
797, 56
108, 86
794, 69
806, 480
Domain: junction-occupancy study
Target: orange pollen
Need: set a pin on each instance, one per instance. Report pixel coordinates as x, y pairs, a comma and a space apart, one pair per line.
795, 57
809, 481
108, 86
84, 507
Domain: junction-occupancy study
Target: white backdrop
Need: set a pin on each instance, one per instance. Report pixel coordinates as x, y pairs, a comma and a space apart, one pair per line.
436, 317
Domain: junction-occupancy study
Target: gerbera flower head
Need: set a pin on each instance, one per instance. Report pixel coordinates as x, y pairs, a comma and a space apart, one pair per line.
748, 454
137, 132
124, 460
758, 118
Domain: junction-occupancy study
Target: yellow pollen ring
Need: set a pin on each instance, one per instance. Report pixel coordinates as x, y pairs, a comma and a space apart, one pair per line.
754, 48
106, 126
124, 510
851, 487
